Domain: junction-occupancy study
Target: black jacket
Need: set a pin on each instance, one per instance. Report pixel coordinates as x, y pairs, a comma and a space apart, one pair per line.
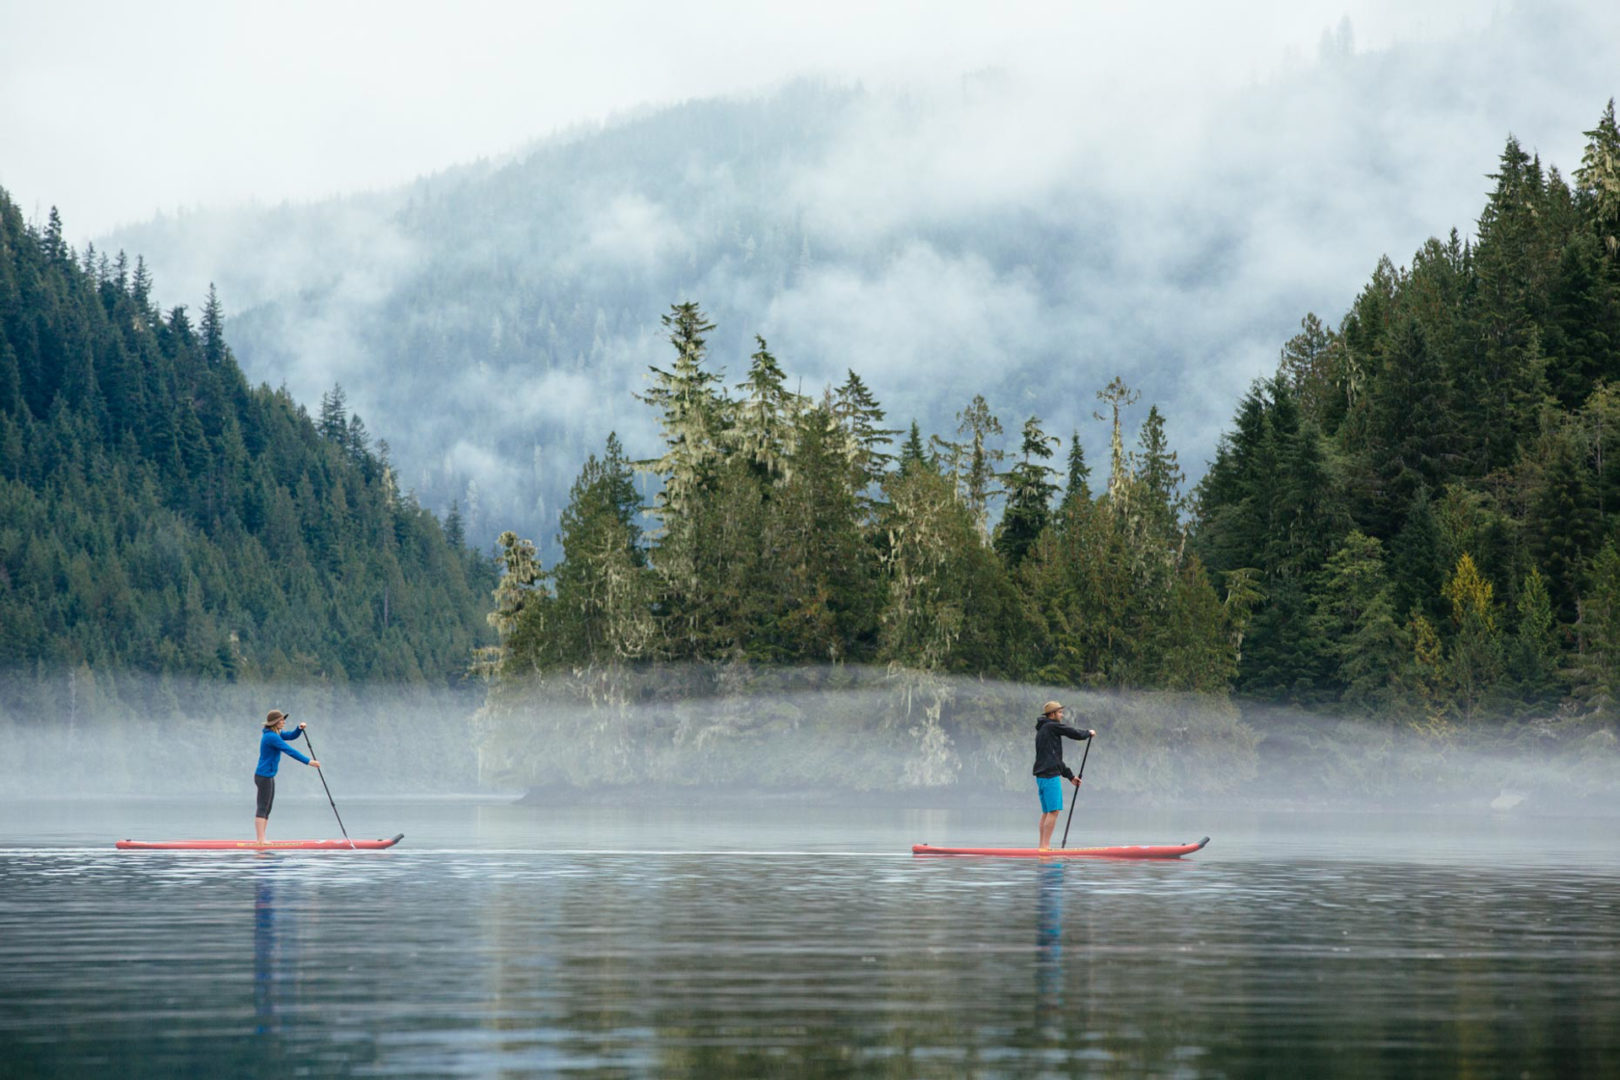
1049, 736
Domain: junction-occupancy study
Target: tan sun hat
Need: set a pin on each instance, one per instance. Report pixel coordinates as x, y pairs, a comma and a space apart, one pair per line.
275, 714
1050, 707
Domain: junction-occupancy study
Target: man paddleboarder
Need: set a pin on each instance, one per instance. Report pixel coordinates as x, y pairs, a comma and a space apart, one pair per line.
271, 746
1050, 731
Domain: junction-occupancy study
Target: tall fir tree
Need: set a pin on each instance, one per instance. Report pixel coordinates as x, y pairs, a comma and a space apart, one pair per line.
1029, 495
1598, 180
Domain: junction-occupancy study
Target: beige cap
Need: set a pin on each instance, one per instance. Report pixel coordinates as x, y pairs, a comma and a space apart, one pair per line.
1050, 707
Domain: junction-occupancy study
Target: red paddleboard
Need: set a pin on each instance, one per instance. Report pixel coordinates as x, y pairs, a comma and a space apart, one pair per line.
251, 845
1125, 851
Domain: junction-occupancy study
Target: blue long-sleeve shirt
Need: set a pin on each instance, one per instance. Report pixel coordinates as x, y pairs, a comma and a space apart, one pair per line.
271, 746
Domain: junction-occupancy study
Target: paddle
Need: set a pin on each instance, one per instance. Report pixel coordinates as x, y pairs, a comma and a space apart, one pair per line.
1077, 777
339, 816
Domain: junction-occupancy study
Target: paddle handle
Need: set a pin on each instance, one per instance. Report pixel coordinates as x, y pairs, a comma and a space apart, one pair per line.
1076, 798
316, 757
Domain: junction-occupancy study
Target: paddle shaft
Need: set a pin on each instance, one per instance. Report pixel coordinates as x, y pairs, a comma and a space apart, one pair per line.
339, 816
1077, 777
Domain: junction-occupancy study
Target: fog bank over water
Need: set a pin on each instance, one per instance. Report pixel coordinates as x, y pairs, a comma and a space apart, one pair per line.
807, 734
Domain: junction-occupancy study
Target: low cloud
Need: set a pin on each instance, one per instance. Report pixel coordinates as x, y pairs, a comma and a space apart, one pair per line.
921, 316
631, 234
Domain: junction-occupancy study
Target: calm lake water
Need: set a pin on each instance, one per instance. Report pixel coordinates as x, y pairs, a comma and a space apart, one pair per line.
506, 940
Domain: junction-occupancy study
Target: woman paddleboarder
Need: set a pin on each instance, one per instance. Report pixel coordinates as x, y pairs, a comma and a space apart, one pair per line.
1050, 731
271, 746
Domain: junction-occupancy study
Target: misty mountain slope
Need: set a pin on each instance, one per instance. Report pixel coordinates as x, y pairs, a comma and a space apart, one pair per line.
994, 235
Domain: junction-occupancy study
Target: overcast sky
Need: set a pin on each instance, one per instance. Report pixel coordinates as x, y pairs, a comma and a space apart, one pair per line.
113, 111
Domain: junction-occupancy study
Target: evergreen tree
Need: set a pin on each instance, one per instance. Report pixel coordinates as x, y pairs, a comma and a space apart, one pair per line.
454, 531
1582, 327
1192, 647
333, 424
1564, 523
1029, 495
1356, 615
1079, 485
693, 416
974, 459
928, 533
521, 603
213, 329
55, 249
859, 416
1313, 367
1427, 675
1598, 180
912, 454
357, 439
1514, 261
1156, 479
140, 287
1417, 565
765, 416
1117, 396
1475, 661
603, 588
1411, 437
824, 579
1533, 659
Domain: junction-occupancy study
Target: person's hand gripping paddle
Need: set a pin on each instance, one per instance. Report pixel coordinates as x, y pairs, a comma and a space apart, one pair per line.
1066, 824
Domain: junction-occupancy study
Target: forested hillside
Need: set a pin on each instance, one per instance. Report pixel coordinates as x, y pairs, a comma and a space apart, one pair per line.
159, 515
1415, 518
1427, 497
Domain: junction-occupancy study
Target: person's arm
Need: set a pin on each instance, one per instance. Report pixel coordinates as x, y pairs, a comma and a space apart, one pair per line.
297, 731
1073, 733
281, 744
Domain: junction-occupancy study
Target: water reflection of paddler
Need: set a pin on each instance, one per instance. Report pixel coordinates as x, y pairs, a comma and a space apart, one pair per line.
1049, 937
264, 955
272, 744
1050, 731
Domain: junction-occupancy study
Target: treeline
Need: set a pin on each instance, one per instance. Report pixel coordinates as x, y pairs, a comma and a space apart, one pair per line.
792, 530
159, 515
1415, 517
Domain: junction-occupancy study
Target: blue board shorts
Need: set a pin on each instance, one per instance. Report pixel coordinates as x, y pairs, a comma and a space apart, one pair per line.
1051, 789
